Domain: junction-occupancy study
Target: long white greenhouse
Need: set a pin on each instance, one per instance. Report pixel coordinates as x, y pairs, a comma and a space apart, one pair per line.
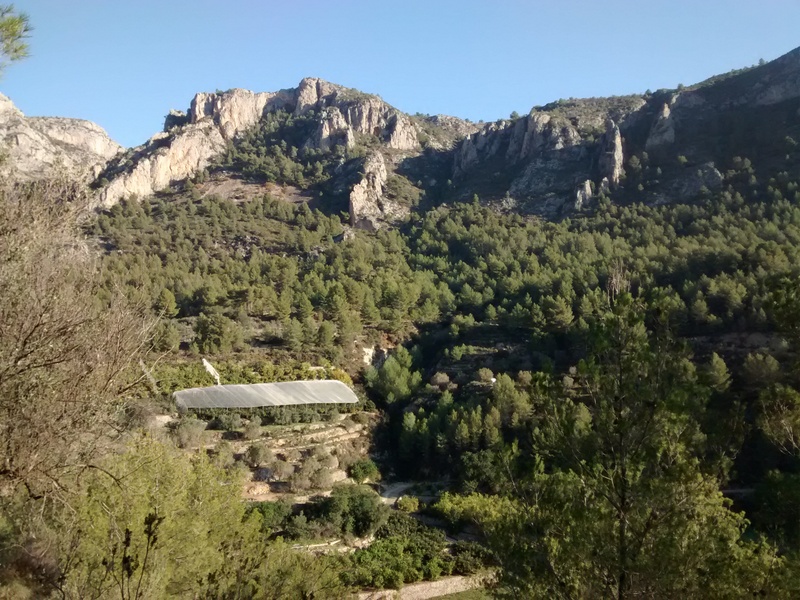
256, 395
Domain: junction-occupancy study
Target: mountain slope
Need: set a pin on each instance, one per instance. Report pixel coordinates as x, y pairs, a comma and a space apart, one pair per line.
670, 144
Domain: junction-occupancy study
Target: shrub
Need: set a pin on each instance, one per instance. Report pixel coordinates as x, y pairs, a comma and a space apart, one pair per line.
300, 481
440, 380
322, 479
189, 432
469, 557
485, 375
257, 455
361, 418
281, 470
223, 455
167, 337
399, 524
292, 455
398, 559
363, 470
227, 421
252, 430
215, 332
352, 510
274, 515
408, 504
760, 370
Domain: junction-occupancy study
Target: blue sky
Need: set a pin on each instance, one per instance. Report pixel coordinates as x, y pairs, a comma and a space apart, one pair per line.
125, 63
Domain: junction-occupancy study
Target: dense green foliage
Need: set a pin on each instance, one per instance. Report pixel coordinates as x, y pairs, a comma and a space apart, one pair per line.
584, 388
264, 272
155, 523
504, 308
407, 551
618, 494
275, 151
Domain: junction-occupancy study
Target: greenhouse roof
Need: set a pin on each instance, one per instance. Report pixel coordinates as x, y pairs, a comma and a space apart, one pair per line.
256, 395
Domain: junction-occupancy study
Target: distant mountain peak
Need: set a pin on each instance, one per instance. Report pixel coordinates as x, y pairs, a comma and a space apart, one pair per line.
38, 146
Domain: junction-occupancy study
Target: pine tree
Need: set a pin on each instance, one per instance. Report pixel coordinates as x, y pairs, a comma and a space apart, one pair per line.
616, 505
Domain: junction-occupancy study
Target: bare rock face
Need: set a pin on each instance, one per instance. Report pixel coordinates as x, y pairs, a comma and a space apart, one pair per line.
365, 198
191, 141
535, 137
662, 132
612, 157
402, 133
352, 113
781, 80
312, 93
583, 194
333, 129
465, 157
546, 154
539, 132
236, 110
481, 145
165, 159
368, 207
38, 146
184, 149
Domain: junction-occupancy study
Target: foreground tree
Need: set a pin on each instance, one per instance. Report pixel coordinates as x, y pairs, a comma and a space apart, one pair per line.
618, 505
64, 347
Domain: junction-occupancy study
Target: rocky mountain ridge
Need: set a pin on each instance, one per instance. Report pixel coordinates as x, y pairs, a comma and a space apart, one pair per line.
551, 162
557, 158
191, 140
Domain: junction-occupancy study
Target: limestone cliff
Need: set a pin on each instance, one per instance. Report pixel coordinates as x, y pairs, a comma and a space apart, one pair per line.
612, 155
187, 145
190, 141
37, 146
546, 157
550, 161
366, 199
656, 147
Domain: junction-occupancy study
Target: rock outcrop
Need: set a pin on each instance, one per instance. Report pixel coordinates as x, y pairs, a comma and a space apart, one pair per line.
612, 157
366, 195
191, 140
182, 150
37, 146
164, 160
583, 195
443, 132
333, 129
236, 110
546, 154
368, 206
662, 133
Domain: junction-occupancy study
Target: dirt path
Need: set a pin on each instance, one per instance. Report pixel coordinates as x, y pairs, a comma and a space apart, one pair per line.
394, 491
426, 589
